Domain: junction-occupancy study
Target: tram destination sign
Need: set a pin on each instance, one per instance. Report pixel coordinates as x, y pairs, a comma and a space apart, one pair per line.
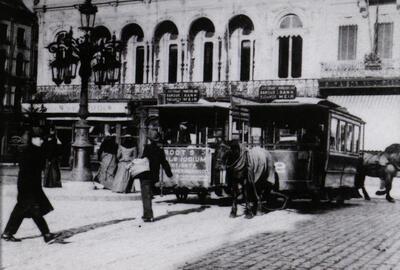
181, 95
271, 92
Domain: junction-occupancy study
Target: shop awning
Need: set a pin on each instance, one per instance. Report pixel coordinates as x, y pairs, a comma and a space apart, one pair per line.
381, 114
92, 118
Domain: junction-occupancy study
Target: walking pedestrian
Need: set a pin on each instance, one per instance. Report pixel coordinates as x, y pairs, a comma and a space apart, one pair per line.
31, 200
156, 156
52, 175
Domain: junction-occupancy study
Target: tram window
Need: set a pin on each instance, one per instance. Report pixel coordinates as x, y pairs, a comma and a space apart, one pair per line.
356, 141
287, 136
256, 135
342, 128
349, 137
333, 135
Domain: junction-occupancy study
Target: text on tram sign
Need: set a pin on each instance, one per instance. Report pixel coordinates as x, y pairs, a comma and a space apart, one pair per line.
271, 92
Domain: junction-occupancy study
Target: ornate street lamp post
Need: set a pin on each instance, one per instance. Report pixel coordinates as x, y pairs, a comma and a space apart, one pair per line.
105, 56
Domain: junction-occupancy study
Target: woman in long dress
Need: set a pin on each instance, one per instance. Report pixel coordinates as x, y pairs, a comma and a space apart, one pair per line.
52, 175
127, 151
107, 155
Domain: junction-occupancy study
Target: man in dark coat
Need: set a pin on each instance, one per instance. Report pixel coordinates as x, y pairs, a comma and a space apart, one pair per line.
156, 157
31, 200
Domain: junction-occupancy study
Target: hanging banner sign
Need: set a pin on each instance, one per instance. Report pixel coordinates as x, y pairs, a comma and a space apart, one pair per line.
271, 92
181, 95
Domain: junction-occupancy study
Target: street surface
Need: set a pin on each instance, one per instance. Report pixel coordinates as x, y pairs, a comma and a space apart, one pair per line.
103, 230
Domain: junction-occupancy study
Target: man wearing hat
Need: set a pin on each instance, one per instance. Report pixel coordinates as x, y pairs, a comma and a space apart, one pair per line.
156, 156
31, 200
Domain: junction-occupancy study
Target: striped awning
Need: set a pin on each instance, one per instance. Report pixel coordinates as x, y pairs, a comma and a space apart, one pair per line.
381, 114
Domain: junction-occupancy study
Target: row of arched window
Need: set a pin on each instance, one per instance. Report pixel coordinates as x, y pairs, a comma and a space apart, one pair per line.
204, 56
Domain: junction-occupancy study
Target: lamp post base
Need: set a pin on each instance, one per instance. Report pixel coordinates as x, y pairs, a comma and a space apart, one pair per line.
82, 148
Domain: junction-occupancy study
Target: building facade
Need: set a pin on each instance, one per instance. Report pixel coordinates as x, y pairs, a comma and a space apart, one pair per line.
18, 55
233, 47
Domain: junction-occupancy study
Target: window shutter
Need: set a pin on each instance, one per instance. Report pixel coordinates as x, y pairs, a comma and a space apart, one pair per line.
385, 40
347, 42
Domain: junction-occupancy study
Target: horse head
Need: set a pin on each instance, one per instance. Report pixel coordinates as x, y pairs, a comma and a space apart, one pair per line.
226, 153
392, 152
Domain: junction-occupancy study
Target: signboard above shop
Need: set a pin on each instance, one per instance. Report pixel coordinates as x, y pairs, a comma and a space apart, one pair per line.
181, 95
271, 92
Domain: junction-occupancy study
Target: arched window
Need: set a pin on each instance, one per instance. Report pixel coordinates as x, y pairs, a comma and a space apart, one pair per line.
101, 32
132, 35
290, 48
291, 21
241, 51
208, 62
173, 63
201, 48
19, 66
166, 52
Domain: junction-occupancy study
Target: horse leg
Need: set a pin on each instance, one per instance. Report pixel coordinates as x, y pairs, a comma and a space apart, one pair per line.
382, 187
258, 201
248, 211
390, 172
365, 193
362, 185
234, 191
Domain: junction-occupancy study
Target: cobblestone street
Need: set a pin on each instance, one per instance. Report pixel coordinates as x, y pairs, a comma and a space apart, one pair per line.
357, 235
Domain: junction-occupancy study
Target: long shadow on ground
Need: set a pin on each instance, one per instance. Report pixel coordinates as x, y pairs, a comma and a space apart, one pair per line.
308, 207
298, 206
182, 212
65, 234
222, 201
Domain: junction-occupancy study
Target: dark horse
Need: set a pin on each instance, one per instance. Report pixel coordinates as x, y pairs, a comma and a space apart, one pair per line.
252, 169
383, 165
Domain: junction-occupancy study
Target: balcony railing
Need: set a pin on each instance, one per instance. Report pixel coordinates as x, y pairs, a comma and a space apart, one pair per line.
71, 93
354, 69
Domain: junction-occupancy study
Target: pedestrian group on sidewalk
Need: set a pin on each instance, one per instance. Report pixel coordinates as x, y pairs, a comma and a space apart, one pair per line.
119, 165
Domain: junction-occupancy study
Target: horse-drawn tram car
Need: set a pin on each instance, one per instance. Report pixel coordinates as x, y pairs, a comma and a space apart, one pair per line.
315, 144
191, 131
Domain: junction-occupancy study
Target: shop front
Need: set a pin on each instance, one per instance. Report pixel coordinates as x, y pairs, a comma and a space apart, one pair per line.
105, 118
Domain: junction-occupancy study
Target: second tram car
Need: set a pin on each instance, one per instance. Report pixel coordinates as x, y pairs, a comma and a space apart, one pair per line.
316, 145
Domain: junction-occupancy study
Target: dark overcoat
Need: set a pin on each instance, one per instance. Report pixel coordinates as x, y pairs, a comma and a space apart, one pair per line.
156, 157
31, 200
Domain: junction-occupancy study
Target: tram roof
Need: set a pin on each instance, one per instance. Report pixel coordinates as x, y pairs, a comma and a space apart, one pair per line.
200, 104
302, 102
298, 101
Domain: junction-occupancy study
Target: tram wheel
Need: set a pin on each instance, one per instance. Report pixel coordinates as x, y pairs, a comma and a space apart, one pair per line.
202, 195
340, 201
316, 199
219, 191
181, 194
